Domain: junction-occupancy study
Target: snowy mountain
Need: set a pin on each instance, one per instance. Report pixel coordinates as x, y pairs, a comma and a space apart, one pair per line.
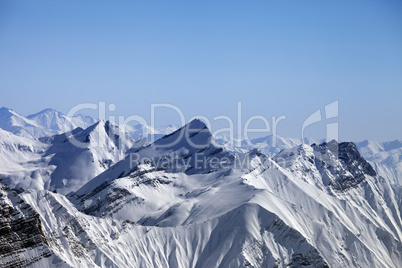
56, 163
22, 162
49, 122
269, 145
58, 122
16, 123
99, 147
326, 197
146, 134
386, 158
22, 241
186, 201
45, 123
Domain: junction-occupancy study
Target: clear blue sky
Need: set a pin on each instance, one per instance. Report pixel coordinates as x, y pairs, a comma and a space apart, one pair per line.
277, 57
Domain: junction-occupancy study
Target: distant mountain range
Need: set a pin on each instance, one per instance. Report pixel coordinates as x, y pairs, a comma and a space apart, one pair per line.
45, 123
49, 122
36, 154
188, 202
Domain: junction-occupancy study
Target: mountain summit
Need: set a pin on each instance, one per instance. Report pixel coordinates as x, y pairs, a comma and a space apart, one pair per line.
45, 123
188, 149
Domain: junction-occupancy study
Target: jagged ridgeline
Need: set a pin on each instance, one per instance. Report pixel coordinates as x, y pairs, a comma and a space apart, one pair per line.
184, 201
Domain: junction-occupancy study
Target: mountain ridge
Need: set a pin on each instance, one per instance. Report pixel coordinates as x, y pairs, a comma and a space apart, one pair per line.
187, 202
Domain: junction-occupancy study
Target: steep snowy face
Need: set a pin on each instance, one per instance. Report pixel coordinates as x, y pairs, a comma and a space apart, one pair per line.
168, 170
338, 219
62, 162
57, 122
318, 206
16, 123
245, 236
342, 163
45, 123
317, 194
22, 164
22, 241
345, 225
385, 157
82, 154
301, 162
337, 164
191, 150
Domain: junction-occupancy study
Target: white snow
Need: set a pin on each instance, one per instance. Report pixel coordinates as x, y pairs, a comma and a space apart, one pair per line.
303, 207
58, 164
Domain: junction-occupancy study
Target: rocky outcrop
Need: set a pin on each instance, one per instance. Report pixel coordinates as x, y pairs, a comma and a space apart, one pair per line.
22, 242
344, 162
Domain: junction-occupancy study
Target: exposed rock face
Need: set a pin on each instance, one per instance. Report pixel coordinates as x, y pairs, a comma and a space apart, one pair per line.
338, 165
344, 162
22, 242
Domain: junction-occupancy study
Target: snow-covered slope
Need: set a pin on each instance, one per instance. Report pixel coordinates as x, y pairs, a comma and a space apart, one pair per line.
145, 134
176, 152
327, 196
183, 201
269, 145
386, 158
22, 162
57, 122
56, 163
22, 241
95, 149
45, 123
246, 236
15, 123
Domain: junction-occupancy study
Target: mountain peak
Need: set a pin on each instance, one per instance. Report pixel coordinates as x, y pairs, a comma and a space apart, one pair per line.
44, 111
8, 111
5, 109
47, 122
196, 124
344, 162
188, 150
48, 110
194, 135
